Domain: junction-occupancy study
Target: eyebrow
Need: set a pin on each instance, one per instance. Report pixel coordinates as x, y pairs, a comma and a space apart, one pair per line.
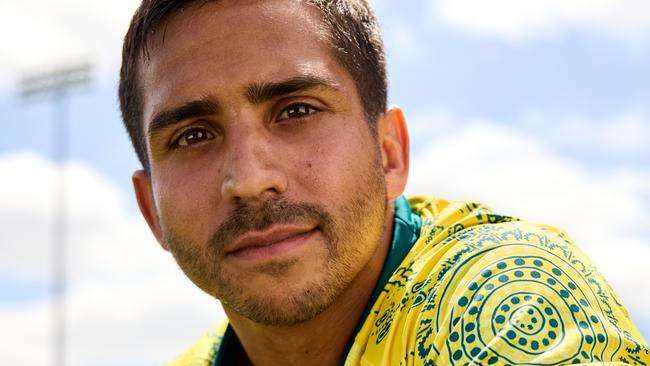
256, 93
195, 108
261, 92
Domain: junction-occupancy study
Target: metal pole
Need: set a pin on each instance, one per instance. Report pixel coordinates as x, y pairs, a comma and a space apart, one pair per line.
60, 229
58, 85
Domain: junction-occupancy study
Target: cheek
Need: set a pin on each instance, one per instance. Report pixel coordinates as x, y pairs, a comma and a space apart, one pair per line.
318, 165
185, 203
330, 166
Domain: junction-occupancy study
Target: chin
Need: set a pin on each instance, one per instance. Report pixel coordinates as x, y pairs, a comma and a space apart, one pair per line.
282, 304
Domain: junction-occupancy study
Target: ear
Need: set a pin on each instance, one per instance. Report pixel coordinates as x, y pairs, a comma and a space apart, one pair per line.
144, 195
394, 145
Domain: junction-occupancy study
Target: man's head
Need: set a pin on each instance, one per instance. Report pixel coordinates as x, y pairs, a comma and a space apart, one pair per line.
349, 27
268, 178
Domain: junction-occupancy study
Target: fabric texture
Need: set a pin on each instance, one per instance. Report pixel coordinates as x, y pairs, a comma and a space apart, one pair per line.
484, 289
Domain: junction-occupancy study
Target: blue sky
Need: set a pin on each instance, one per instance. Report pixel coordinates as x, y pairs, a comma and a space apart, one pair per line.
542, 113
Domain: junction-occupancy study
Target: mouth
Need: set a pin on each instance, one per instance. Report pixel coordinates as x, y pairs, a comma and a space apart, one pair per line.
269, 244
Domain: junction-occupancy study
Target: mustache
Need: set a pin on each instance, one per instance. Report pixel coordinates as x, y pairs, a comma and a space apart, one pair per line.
246, 217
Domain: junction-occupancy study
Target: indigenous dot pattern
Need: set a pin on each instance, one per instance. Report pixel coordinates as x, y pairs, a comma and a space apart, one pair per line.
528, 323
484, 289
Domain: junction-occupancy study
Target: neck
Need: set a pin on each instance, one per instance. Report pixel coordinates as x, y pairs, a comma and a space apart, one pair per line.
322, 339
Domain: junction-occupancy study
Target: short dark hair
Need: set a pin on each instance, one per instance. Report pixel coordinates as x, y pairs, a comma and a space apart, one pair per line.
352, 30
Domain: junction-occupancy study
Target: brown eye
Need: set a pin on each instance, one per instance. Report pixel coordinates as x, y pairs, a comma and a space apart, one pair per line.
297, 111
193, 136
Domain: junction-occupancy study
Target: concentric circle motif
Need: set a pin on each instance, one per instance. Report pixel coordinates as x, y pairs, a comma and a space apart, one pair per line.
521, 308
528, 322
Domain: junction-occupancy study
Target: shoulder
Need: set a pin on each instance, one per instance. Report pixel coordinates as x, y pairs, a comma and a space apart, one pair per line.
478, 286
517, 292
203, 351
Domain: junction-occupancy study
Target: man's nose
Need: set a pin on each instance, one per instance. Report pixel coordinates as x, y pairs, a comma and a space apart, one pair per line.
253, 169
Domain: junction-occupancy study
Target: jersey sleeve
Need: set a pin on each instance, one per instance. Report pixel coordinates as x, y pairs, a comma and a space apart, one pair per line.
503, 292
516, 293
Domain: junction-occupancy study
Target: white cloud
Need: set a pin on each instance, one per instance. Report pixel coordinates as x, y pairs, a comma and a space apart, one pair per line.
516, 173
517, 21
140, 323
126, 294
39, 35
625, 135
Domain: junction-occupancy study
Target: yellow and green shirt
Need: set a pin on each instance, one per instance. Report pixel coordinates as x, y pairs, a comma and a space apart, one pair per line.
465, 286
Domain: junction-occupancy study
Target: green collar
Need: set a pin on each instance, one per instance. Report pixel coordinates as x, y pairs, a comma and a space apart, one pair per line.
406, 231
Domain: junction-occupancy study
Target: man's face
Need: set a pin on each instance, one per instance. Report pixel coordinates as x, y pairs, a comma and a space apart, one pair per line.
266, 182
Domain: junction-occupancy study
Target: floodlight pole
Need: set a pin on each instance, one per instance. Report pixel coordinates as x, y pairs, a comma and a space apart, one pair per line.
57, 86
60, 134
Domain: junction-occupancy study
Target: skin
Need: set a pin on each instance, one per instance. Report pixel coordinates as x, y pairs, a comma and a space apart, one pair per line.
293, 283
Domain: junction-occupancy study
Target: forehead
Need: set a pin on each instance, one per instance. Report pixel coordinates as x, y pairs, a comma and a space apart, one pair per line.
237, 18
218, 46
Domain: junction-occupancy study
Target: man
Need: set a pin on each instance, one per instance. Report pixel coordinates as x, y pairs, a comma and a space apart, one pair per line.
273, 172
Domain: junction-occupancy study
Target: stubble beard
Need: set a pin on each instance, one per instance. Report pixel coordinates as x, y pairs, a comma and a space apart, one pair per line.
361, 225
